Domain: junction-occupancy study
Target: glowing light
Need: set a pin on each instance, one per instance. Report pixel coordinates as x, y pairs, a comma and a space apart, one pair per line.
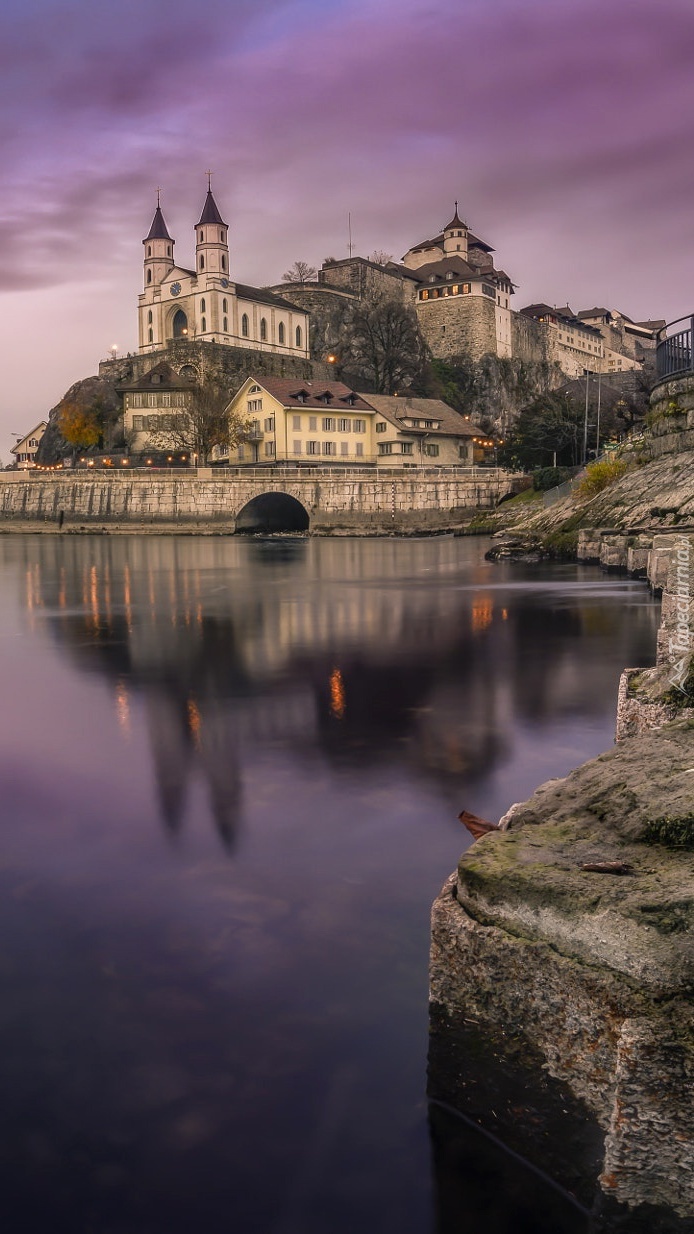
482, 613
338, 701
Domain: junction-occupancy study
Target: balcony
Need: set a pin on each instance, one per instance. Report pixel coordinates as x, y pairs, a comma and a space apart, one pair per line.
674, 351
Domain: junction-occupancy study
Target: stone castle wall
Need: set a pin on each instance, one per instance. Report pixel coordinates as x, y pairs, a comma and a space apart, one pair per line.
454, 325
212, 361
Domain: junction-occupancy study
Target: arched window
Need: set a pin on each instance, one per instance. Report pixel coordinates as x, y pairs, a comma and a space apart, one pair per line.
225, 325
298, 336
201, 237
202, 263
280, 332
224, 262
149, 250
149, 318
263, 330
225, 306
168, 250
204, 326
151, 335
180, 324
203, 308
221, 236
244, 325
149, 276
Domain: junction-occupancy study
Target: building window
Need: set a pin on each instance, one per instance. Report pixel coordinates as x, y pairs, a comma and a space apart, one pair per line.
328, 424
168, 250
244, 325
313, 447
225, 325
344, 447
204, 325
149, 250
201, 237
166, 400
203, 306
151, 400
381, 428
344, 426
149, 317
280, 333
138, 424
406, 447
224, 262
359, 426
297, 447
296, 423
462, 451
269, 448
263, 330
255, 404
241, 453
150, 335
298, 336
225, 306
432, 450
269, 424
137, 400
385, 447
329, 447
254, 390
312, 424
360, 449
202, 262
149, 276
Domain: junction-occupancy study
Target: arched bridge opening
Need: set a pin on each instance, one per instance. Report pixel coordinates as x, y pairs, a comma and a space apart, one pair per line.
271, 512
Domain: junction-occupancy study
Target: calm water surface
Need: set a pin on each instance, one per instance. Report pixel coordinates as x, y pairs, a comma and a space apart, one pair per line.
230, 775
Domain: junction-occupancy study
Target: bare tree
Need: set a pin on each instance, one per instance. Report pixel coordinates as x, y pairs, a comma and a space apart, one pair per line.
300, 272
380, 257
204, 424
384, 344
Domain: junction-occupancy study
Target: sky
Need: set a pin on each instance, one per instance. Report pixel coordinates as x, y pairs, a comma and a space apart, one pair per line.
564, 130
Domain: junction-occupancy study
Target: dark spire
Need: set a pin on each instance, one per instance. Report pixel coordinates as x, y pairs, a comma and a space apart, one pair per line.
455, 221
210, 213
158, 230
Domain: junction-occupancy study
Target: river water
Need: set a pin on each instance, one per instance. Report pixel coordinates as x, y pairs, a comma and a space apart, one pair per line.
230, 775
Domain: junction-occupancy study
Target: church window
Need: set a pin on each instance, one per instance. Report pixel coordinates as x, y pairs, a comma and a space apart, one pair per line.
263, 329
180, 324
201, 237
224, 262
225, 325
280, 332
149, 276
204, 325
221, 237
244, 325
168, 250
149, 250
149, 318
298, 336
150, 333
202, 263
225, 306
203, 306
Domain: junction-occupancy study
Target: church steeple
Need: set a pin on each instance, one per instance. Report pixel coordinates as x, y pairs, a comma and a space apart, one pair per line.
159, 248
211, 238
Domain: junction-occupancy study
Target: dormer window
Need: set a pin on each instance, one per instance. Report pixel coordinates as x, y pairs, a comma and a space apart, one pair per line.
254, 390
432, 278
449, 274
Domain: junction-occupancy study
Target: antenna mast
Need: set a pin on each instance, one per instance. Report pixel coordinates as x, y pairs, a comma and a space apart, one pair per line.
349, 232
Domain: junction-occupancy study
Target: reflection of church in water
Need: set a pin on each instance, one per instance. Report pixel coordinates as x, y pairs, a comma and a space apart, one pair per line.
241, 652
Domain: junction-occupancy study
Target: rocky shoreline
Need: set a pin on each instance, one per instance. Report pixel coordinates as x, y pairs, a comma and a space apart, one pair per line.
589, 974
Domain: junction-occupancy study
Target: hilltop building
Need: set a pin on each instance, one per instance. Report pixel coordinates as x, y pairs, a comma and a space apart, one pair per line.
205, 304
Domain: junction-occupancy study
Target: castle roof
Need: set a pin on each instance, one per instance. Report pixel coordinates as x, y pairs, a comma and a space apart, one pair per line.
455, 221
436, 271
210, 213
473, 241
158, 230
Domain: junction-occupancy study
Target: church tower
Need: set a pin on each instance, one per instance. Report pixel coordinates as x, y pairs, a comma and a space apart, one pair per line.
159, 246
211, 240
455, 237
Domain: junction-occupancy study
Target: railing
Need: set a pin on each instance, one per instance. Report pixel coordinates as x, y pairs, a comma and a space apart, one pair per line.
367, 472
674, 352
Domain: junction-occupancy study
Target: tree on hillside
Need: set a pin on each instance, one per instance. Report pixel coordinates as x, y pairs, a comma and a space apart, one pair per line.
380, 257
203, 425
82, 425
551, 425
382, 345
300, 272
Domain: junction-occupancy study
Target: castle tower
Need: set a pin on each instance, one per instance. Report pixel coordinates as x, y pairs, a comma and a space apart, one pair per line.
455, 237
211, 240
159, 248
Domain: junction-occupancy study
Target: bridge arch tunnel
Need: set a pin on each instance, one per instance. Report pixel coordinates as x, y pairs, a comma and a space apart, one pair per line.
272, 512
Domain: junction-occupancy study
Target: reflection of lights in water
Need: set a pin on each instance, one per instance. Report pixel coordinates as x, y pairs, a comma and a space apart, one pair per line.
194, 721
504, 614
123, 708
126, 598
337, 694
482, 612
94, 596
62, 598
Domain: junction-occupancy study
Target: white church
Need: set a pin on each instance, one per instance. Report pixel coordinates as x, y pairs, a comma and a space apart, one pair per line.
204, 304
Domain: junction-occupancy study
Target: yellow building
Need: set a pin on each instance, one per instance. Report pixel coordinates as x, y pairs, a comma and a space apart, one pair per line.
25, 449
420, 432
303, 422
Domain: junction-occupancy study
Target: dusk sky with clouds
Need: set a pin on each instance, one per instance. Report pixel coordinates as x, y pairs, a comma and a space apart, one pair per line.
565, 130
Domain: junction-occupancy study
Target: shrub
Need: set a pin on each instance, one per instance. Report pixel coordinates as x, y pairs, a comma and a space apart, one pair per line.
549, 477
599, 476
